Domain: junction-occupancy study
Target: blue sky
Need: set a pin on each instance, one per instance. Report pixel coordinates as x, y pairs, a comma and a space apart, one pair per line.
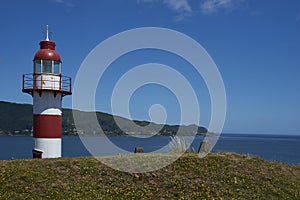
255, 44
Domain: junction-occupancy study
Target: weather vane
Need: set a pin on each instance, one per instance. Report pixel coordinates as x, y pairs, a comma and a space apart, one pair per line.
47, 33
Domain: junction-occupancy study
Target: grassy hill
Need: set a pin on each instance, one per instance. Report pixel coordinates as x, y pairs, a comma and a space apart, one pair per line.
16, 119
219, 176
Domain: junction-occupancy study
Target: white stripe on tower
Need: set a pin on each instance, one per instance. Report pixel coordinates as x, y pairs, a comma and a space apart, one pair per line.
47, 123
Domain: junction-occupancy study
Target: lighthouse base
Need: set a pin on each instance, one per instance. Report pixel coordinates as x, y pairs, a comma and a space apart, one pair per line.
50, 147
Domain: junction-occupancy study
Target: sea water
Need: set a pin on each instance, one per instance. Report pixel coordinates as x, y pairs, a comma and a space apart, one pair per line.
282, 148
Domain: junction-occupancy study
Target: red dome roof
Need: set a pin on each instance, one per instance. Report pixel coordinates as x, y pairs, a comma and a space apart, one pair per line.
47, 52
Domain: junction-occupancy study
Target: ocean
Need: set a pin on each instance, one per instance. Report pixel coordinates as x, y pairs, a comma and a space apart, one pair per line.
282, 148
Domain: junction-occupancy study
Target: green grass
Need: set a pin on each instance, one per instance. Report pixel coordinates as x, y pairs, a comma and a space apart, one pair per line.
219, 176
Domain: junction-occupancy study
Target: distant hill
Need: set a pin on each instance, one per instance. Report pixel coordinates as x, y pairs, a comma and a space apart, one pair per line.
16, 119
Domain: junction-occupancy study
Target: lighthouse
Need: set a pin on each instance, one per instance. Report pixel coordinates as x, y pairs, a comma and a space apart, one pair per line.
47, 86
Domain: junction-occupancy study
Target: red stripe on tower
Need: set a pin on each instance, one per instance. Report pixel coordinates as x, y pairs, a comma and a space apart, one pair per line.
47, 126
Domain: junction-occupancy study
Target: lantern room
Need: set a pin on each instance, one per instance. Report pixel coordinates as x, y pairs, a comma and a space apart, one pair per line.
47, 71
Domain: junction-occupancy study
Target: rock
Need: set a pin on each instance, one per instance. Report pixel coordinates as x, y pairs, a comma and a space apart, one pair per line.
138, 150
205, 147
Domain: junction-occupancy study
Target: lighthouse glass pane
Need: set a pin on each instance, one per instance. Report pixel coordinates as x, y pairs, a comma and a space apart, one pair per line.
57, 69
47, 66
37, 66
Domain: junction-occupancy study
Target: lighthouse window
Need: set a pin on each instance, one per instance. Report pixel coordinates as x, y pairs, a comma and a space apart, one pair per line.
57, 67
47, 66
37, 66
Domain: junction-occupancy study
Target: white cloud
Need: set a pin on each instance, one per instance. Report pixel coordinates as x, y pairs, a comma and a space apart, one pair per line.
178, 5
68, 5
184, 9
211, 6
181, 6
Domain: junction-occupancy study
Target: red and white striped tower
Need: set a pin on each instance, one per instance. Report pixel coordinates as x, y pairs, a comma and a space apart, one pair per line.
47, 86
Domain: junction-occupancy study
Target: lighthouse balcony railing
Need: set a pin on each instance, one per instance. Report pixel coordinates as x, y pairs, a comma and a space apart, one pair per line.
51, 82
